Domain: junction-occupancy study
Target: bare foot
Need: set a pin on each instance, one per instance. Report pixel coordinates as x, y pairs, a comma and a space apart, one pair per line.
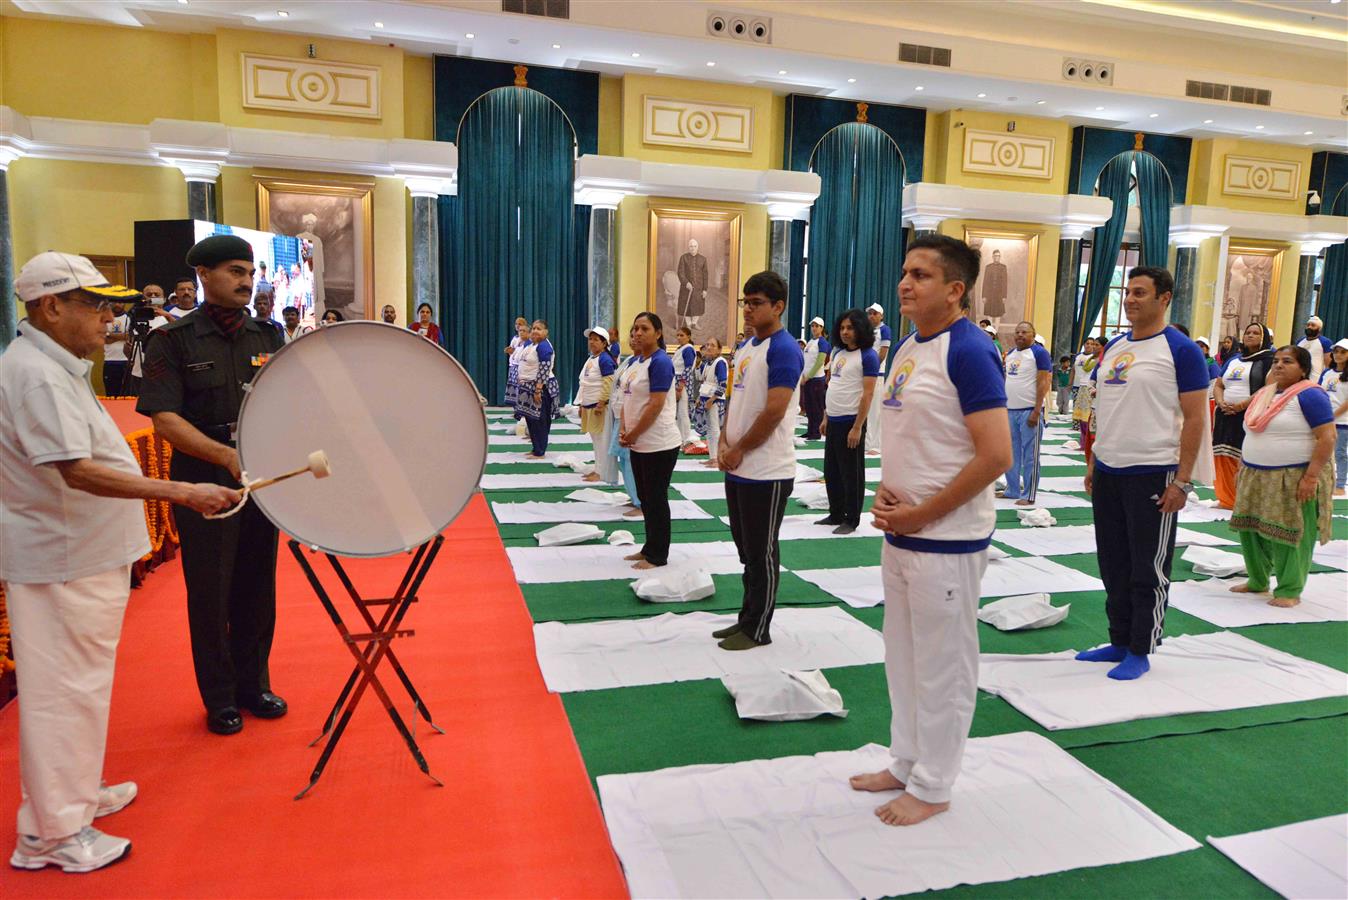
634, 514
906, 809
1025, 503
876, 781
593, 476
644, 564
1244, 588
1285, 602
632, 556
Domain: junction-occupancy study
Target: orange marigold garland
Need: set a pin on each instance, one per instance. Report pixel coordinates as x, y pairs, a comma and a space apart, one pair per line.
153, 454
6, 664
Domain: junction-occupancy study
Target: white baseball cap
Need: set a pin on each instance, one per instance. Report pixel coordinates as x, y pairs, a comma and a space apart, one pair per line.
1201, 340
56, 273
1342, 344
876, 307
1315, 320
599, 330
990, 330
817, 321
1039, 339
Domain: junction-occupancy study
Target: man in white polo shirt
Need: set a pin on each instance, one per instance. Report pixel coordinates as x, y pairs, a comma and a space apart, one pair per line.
758, 454
1151, 393
70, 528
1029, 370
946, 441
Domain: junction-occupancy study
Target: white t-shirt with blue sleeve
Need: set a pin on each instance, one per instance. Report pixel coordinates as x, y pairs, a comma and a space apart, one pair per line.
762, 364
1022, 376
1287, 440
1137, 401
684, 359
643, 377
884, 337
817, 348
1337, 390
933, 384
848, 371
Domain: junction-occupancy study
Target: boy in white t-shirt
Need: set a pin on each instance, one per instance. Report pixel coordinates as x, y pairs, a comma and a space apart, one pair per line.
758, 454
946, 441
1151, 394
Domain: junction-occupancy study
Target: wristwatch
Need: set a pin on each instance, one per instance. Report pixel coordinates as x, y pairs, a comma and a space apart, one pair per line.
1186, 486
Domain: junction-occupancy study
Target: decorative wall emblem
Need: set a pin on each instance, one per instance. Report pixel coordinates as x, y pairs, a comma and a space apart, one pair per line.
1016, 155
310, 86
706, 126
1272, 179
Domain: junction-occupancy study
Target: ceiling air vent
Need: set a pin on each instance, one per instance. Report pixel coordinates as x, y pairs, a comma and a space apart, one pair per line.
1094, 71
1231, 93
551, 9
925, 56
739, 27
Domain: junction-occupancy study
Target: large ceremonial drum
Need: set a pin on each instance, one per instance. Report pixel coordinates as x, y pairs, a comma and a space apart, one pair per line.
401, 424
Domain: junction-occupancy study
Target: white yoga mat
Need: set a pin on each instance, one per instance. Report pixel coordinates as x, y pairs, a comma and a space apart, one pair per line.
509, 440
514, 458
700, 490
1194, 512
1334, 554
549, 565
1045, 500
1323, 600
509, 427
1189, 674
590, 656
1064, 539
1062, 482
792, 827
531, 512
529, 481
1061, 459
1301, 861
802, 528
861, 586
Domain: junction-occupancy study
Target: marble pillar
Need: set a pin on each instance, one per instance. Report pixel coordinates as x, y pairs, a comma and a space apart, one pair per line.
603, 268
779, 252
426, 255
9, 314
1305, 294
1186, 277
1064, 342
201, 200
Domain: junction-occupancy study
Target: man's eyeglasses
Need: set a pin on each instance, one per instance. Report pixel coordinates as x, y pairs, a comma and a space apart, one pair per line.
755, 302
97, 304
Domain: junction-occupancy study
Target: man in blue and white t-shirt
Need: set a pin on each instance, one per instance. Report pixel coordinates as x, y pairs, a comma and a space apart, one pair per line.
1151, 390
758, 453
946, 441
1029, 370
814, 381
883, 338
1317, 345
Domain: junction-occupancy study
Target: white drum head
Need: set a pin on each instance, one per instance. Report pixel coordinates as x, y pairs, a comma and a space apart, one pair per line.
399, 420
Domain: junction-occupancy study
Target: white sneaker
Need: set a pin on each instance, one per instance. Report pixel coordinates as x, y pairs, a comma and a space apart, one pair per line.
84, 852
114, 798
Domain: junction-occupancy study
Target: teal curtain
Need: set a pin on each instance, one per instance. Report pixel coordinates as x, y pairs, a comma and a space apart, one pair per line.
1333, 306
856, 226
1154, 199
511, 234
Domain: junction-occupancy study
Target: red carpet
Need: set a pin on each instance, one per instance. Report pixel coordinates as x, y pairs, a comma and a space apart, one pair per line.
516, 818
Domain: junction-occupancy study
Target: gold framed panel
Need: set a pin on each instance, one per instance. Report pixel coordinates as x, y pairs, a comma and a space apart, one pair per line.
344, 212
1253, 274
1006, 294
673, 280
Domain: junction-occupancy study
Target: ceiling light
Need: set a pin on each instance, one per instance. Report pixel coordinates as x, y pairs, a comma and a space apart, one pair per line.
378, 24
980, 96
711, 65
1207, 121
636, 56
469, 35
1154, 115
851, 81
283, 14
1099, 109
1259, 128
781, 71
556, 46
919, 88
183, 2
1308, 132
1040, 102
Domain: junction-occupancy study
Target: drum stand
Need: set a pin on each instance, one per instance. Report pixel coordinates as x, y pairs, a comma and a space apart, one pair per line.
369, 649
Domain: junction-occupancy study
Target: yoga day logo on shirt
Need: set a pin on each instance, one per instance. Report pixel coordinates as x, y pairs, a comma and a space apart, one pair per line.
1119, 373
902, 375
1236, 373
838, 366
740, 370
1013, 367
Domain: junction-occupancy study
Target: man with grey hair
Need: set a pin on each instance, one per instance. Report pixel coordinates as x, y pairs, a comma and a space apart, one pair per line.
71, 525
692, 287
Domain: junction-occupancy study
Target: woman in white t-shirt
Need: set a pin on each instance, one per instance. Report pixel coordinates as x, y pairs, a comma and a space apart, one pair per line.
650, 431
1242, 377
1283, 493
852, 373
513, 351
592, 396
1334, 379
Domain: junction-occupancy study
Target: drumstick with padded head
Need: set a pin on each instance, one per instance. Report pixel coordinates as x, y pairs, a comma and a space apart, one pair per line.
318, 464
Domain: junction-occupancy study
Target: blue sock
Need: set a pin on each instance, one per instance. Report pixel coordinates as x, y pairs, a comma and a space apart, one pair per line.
1133, 666
1108, 653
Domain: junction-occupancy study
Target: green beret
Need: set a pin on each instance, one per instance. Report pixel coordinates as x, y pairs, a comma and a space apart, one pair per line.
219, 248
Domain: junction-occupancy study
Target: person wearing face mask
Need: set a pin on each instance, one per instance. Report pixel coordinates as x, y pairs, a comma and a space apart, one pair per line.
196, 372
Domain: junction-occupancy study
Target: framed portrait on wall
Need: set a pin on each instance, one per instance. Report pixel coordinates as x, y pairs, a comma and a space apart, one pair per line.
1004, 291
338, 219
1253, 271
694, 276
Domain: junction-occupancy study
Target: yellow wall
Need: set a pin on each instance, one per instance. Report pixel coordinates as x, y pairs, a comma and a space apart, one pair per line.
1046, 264
949, 150
87, 208
767, 126
419, 98
634, 239
610, 116
1209, 166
